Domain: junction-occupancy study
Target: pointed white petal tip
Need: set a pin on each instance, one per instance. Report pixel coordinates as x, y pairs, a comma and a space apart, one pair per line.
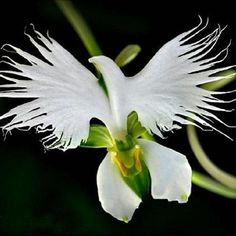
94, 59
170, 172
115, 195
99, 60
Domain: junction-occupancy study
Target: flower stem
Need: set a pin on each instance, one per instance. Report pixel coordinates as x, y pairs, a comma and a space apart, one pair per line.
80, 26
212, 185
220, 175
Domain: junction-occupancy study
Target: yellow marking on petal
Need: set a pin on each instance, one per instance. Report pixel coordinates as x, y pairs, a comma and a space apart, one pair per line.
137, 161
119, 163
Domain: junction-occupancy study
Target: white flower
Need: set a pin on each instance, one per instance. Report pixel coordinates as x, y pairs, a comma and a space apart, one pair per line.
65, 96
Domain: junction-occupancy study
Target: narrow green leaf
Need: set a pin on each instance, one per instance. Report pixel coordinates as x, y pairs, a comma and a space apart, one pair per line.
128, 54
212, 185
99, 137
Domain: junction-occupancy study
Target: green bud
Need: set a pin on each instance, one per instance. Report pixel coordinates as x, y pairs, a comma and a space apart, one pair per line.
128, 54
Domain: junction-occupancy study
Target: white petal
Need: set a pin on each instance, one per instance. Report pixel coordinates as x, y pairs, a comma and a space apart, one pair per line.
66, 95
167, 89
115, 81
170, 172
166, 92
114, 194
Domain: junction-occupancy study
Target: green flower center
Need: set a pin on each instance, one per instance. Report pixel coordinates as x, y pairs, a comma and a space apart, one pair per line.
126, 154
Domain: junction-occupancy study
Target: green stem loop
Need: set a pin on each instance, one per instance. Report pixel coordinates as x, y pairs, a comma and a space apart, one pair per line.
220, 175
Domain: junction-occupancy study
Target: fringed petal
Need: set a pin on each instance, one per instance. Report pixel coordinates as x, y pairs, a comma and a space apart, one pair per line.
167, 90
66, 96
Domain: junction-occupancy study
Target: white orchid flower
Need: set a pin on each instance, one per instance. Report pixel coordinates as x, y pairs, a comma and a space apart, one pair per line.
65, 96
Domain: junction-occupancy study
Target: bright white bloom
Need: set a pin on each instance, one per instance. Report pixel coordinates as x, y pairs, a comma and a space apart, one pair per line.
65, 96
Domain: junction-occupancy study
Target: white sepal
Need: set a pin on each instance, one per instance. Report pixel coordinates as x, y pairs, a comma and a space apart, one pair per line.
169, 170
115, 195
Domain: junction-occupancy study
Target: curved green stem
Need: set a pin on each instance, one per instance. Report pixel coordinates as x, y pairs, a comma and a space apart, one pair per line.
220, 175
80, 26
212, 185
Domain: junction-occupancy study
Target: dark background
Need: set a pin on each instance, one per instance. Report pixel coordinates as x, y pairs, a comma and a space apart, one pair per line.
55, 192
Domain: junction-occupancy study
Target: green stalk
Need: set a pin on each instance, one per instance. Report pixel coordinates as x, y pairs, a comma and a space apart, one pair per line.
212, 185
80, 26
220, 175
